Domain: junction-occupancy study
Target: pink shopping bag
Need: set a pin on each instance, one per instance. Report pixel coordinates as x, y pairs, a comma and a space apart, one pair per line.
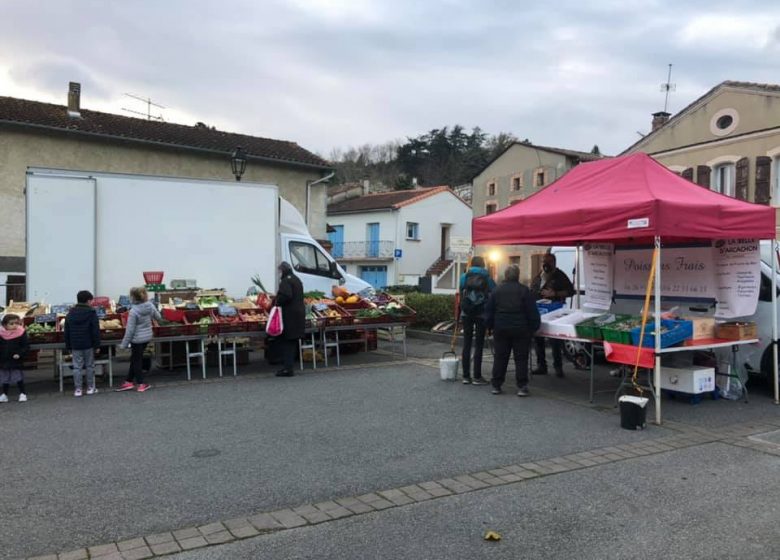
275, 325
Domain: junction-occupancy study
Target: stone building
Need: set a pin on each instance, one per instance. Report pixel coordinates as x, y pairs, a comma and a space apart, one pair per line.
518, 172
727, 140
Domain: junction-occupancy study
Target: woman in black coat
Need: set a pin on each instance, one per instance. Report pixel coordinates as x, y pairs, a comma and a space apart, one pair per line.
290, 298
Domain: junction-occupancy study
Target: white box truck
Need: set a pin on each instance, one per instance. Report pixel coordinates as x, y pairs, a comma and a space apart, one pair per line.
101, 231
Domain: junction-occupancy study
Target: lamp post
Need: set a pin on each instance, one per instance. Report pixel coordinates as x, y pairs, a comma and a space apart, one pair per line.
238, 162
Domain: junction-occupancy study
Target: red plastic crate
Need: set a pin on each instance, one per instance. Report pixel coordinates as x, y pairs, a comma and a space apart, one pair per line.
182, 329
114, 334
154, 277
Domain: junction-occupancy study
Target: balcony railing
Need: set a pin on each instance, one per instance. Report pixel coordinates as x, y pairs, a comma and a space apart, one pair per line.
363, 250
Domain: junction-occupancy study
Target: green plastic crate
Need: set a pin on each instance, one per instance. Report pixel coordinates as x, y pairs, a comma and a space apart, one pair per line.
611, 334
591, 328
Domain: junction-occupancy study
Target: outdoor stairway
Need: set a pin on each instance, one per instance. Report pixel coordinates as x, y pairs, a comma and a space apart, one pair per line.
438, 267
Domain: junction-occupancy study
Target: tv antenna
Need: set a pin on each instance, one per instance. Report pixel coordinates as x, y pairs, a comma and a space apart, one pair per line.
667, 87
149, 104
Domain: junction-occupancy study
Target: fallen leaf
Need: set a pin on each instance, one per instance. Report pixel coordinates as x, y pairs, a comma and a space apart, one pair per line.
492, 536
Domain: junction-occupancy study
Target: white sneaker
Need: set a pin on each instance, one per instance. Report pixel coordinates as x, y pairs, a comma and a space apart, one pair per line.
22, 397
92, 390
77, 392
3, 398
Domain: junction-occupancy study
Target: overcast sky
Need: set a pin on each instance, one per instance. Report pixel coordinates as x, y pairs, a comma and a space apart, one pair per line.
328, 73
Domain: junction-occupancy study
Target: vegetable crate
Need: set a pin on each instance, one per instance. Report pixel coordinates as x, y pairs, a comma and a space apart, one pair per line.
47, 337
115, 333
336, 316
175, 329
255, 320
227, 325
672, 332
592, 328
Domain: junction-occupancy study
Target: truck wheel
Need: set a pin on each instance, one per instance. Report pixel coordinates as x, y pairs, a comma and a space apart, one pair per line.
576, 354
766, 365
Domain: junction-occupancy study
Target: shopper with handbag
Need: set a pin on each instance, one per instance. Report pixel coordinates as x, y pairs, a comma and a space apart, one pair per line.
290, 299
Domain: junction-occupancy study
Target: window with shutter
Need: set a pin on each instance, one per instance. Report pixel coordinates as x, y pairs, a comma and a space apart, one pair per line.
743, 176
763, 169
688, 174
703, 176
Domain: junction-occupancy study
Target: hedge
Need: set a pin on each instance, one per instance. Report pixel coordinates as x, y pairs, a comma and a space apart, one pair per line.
431, 308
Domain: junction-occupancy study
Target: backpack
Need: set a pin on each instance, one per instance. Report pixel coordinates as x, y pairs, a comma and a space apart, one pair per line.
475, 294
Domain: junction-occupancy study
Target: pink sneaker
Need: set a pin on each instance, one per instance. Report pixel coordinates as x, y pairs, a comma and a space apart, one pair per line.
126, 386
143, 387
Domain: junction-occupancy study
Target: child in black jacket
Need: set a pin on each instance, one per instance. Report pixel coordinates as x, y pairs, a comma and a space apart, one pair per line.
13, 347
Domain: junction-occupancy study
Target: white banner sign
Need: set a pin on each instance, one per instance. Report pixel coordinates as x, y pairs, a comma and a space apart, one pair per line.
597, 273
727, 273
686, 272
738, 277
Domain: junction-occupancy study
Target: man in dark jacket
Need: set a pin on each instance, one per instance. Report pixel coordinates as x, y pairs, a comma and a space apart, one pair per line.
514, 318
553, 284
290, 299
82, 338
475, 288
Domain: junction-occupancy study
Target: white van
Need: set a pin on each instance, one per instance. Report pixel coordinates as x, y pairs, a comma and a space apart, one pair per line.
756, 359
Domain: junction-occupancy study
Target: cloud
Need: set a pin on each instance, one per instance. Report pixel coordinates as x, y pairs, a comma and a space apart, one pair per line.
329, 73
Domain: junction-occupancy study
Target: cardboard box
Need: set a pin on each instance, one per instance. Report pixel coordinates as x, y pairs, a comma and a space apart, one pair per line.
703, 327
691, 380
737, 331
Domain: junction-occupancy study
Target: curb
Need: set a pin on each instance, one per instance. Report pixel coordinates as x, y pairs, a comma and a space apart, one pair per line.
221, 532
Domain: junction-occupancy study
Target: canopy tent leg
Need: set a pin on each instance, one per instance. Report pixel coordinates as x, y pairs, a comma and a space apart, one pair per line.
577, 272
774, 319
657, 301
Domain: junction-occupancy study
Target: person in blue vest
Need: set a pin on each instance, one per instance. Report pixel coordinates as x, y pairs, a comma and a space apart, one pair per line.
476, 285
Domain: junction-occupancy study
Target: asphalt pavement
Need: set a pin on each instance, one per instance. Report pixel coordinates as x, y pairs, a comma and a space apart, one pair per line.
119, 465
82, 472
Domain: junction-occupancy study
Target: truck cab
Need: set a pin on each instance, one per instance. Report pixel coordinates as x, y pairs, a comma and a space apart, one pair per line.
313, 265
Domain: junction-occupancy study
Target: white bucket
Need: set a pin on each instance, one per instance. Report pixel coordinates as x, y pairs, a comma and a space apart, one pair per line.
448, 366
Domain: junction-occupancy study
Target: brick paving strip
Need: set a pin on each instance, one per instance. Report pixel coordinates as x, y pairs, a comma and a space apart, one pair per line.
220, 532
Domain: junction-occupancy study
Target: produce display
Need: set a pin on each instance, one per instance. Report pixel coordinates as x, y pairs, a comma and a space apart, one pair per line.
212, 312
39, 328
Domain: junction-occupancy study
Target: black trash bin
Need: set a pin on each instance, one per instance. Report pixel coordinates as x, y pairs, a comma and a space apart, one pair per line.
633, 412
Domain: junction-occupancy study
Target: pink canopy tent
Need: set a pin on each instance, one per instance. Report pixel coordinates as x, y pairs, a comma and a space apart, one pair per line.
630, 200
624, 199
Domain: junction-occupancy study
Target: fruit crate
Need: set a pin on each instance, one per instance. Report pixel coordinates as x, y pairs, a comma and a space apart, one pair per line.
618, 332
676, 332
592, 328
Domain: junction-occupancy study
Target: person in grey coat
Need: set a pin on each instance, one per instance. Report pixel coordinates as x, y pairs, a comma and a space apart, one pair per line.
137, 335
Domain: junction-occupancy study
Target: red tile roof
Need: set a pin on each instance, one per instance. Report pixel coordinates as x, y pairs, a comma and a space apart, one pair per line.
385, 201
26, 113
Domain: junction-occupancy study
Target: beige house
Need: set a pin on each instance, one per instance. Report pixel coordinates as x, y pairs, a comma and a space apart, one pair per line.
518, 172
34, 134
728, 140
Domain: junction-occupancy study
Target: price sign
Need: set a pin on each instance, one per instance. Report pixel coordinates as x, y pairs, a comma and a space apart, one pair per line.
460, 245
46, 318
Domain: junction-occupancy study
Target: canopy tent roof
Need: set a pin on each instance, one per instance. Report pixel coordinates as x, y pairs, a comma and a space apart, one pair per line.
630, 199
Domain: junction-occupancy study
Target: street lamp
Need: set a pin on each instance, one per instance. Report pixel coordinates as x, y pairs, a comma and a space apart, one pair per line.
238, 162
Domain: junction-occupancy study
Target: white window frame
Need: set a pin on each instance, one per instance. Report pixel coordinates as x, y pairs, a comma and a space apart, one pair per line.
415, 233
726, 171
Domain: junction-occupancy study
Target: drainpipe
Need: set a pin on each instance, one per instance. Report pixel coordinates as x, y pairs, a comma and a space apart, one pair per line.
309, 185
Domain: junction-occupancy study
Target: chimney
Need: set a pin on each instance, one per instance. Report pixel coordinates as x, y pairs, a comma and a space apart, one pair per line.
366, 187
74, 100
659, 119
